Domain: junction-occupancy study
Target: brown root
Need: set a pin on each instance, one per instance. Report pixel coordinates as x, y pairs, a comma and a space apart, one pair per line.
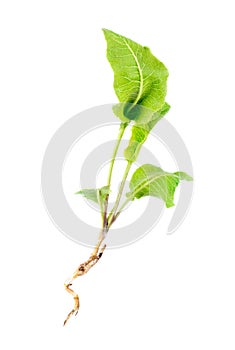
80, 271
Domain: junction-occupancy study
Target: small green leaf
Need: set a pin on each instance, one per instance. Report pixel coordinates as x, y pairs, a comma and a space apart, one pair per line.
92, 194
149, 180
140, 133
139, 78
89, 193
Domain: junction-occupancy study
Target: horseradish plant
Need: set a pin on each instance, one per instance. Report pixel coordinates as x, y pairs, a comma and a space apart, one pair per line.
140, 83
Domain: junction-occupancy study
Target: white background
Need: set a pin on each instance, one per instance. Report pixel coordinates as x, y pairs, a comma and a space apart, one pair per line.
164, 292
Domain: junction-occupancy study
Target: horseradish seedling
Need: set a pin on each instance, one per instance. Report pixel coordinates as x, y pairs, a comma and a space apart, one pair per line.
140, 83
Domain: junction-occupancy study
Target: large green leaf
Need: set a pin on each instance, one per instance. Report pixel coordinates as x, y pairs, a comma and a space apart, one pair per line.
139, 78
149, 180
95, 195
140, 133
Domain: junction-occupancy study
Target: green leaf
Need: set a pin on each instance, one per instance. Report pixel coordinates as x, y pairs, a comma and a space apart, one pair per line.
149, 180
139, 78
140, 133
89, 193
95, 195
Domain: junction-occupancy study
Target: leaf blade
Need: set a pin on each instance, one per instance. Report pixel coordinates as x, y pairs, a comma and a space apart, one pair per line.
149, 180
89, 193
96, 195
139, 78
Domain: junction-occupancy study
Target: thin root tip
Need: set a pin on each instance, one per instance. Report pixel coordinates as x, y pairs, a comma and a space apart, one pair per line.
66, 320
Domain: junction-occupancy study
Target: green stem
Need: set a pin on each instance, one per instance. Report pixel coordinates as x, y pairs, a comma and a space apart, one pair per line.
119, 138
121, 132
100, 204
111, 217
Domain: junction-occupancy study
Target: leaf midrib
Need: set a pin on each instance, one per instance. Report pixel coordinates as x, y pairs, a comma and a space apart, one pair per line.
139, 70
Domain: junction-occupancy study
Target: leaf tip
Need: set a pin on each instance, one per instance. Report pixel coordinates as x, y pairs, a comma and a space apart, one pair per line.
106, 31
184, 176
170, 205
